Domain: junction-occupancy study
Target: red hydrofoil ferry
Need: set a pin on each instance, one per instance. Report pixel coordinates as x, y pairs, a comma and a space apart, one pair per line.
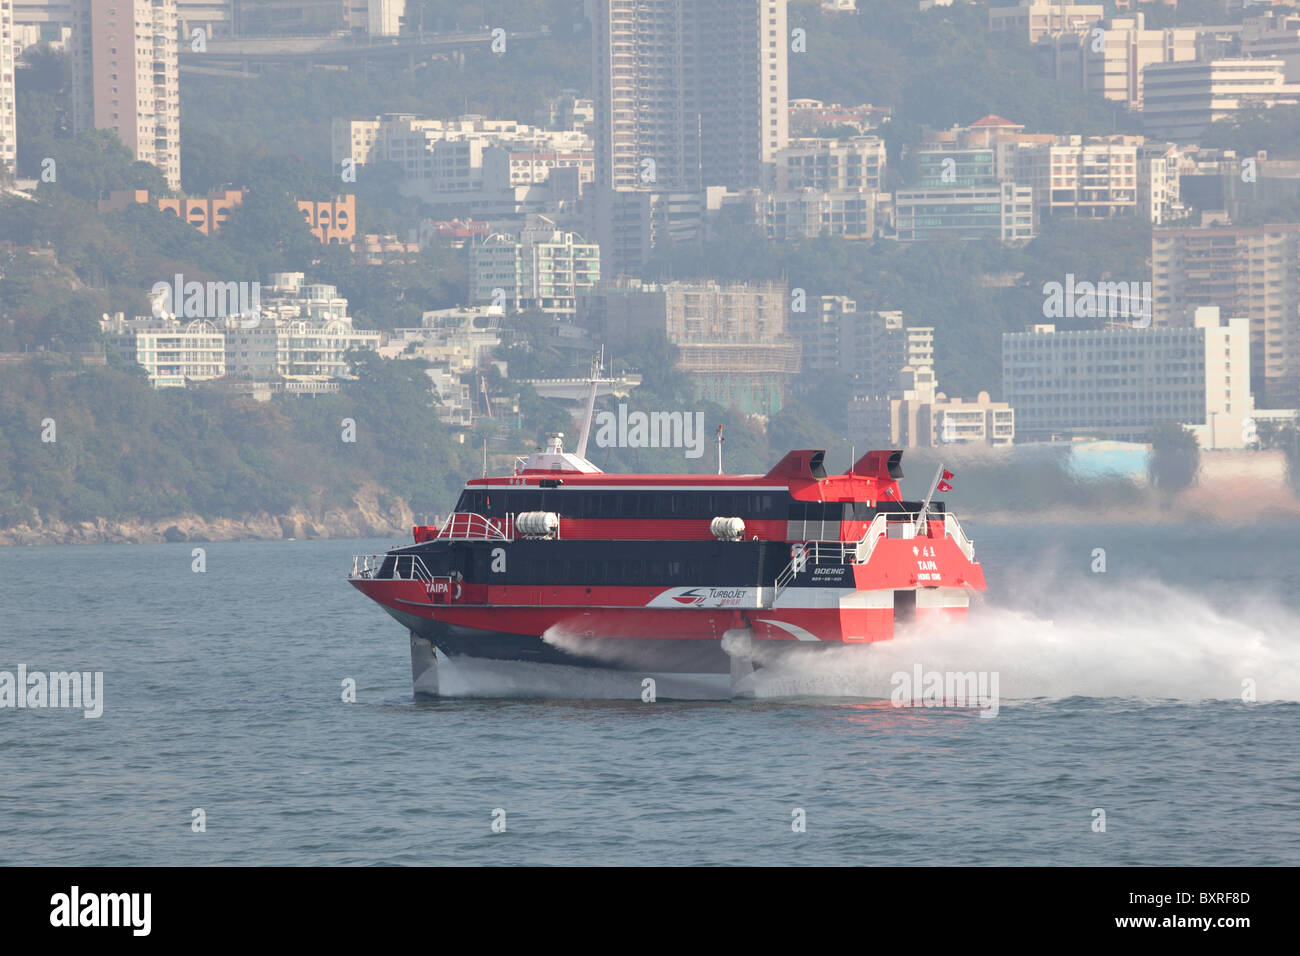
560, 565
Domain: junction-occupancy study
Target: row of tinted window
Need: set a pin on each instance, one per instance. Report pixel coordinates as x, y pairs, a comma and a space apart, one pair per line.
628, 504
659, 504
626, 572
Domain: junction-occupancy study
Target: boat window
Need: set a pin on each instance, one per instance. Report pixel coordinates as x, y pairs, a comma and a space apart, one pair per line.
633, 574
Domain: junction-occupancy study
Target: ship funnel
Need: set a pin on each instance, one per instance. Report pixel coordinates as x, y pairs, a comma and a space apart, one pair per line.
879, 464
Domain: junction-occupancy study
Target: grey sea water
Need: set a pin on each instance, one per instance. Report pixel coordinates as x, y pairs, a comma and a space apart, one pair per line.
1122, 692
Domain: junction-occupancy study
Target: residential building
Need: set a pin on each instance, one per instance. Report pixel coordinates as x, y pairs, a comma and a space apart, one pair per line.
542, 267
830, 164
384, 17
1033, 19
732, 338
1108, 60
204, 213
1247, 271
1119, 382
466, 160
304, 335
1003, 137
1181, 100
175, 353
8, 107
914, 414
332, 221
1160, 183
1094, 180
1274, 35
631, 225
871, 348
809, 213
808, 116
688, 95
125, 77
1002, 211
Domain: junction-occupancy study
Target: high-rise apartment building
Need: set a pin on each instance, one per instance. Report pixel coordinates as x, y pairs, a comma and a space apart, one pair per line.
126, 77
688, 95
8, 115
1249, 271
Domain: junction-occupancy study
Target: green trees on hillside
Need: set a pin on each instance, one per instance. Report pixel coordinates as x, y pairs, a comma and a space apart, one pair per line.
122, 449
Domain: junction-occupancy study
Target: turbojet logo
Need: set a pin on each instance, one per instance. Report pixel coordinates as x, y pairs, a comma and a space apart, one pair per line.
946, 689
692, 598
1099, 300
84, 690
207, 300
653, 430
102, 909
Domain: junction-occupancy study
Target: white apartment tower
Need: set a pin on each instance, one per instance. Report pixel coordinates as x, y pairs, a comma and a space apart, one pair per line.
8, 116
126, 77
688, 95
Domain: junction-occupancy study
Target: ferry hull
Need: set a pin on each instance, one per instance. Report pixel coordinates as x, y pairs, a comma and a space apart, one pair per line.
693, 657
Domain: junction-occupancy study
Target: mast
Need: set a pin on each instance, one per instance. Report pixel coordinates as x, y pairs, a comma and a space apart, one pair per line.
593, 383
925, 505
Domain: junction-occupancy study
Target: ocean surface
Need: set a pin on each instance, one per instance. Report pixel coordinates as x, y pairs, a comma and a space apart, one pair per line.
1121, 699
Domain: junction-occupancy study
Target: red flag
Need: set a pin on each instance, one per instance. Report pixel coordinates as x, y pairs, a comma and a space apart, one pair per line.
947, 475
944, 486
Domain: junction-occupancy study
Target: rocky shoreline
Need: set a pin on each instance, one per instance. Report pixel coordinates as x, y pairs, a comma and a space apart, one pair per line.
373, 513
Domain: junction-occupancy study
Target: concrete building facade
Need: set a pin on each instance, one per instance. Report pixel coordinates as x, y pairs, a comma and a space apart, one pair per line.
126, 77
542, 267
732, 338
8, 107
1120, 382
1248, 271
688, 95
1182, 100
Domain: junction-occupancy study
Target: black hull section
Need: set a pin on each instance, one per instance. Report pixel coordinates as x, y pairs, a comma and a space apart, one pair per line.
633, 655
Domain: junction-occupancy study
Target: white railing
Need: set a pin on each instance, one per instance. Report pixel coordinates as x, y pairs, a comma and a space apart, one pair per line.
470, 526
952, 528
878, 528
406, 567
812, 553
906, 523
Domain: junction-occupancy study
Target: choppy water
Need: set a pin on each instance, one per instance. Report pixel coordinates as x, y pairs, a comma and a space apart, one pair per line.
1121, 691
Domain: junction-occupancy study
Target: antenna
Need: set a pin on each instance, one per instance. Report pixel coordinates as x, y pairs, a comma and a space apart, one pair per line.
720, 441
485, 441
